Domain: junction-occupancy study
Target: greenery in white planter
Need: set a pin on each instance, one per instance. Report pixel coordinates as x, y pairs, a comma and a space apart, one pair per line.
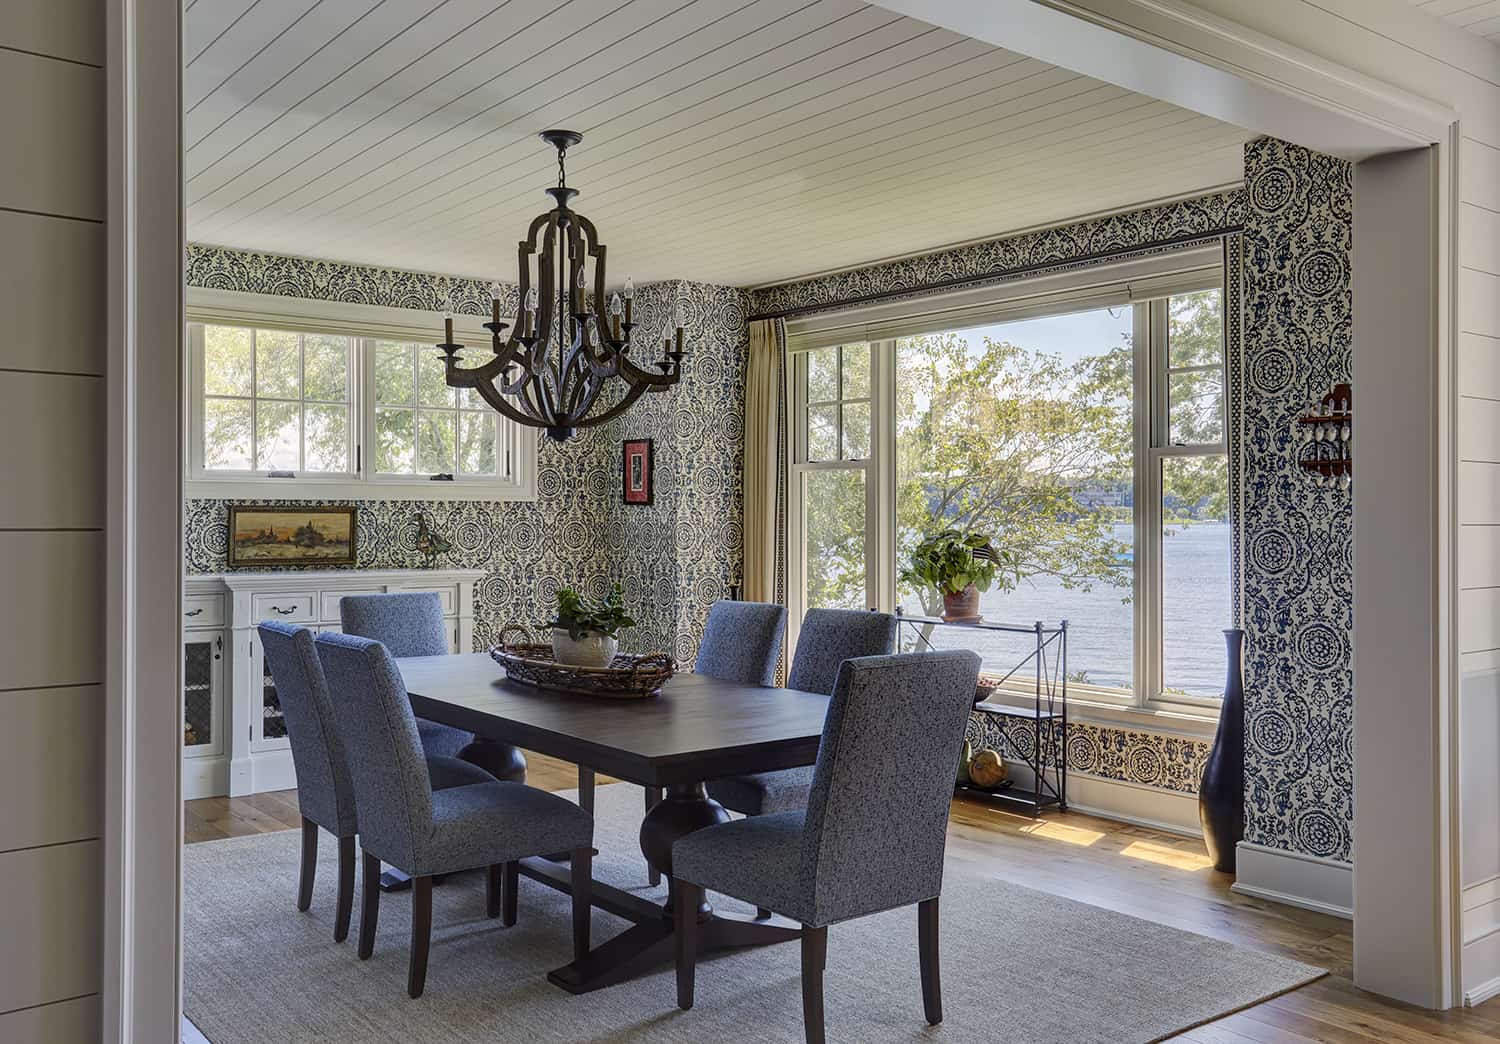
579, 618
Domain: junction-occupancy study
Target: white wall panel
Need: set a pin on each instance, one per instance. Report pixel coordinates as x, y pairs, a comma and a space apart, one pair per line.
52, 275
1479, 303
1479, 174
1479, 738
1478, 494
51, 618
1479, 619
1478, 366
1479, 429
69, 1020
50, 942
1479, 242
71, 29
1479, 551
51, 451
52, 750
52, 124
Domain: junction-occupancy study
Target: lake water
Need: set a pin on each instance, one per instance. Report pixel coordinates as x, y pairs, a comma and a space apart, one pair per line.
1195, 610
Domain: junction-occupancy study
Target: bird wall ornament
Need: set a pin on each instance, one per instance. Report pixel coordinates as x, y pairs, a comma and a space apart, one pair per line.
430, 544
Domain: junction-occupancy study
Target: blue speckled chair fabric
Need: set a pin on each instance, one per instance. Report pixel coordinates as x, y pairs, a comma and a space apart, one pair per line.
325, 792
873, 833
741, 642
828, 638
408, 623
402, 821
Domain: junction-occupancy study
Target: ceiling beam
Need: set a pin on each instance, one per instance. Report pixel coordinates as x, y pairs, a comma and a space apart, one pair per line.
1174, 52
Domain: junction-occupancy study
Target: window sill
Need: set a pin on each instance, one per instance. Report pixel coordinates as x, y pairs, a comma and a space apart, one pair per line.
314, 489
1185, 722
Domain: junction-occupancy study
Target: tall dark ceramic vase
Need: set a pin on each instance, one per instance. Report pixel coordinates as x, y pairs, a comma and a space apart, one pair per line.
1221, 795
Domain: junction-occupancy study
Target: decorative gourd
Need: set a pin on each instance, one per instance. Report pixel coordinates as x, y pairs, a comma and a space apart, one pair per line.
987, 769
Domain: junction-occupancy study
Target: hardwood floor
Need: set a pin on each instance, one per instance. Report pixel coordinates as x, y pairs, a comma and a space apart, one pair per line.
1146, 873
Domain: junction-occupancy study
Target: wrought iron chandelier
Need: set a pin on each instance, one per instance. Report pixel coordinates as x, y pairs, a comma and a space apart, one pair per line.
550, 373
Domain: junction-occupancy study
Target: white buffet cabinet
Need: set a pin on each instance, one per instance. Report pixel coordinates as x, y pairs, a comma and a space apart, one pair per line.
234, 736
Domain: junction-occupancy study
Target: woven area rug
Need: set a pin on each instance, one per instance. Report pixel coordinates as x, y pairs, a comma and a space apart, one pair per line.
1018, 964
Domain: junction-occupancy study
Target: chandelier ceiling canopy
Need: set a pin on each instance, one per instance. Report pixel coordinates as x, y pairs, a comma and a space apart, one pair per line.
567, 345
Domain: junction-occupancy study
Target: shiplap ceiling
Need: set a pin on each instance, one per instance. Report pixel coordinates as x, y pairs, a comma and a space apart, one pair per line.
1481, 17
729, 141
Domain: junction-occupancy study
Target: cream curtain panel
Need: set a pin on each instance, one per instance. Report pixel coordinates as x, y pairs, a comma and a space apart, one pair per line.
765, 463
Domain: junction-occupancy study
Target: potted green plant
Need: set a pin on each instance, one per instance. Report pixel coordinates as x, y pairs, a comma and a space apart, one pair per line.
588, 635
959, 566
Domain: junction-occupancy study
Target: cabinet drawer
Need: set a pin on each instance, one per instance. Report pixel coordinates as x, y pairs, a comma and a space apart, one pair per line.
293, 608
447, 595
329, 603
203, 611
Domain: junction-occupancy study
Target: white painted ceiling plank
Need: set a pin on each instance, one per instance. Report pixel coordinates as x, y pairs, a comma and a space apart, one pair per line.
207, 23
317, 33
874, 144
262, 27
674, 167
468, 98
421, 42
470, 154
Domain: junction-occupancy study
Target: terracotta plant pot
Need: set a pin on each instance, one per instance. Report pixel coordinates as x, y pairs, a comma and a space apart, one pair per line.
592, 650
962, 607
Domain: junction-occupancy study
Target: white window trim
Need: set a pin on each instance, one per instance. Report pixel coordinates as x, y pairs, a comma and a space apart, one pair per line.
365, 323
1136, 281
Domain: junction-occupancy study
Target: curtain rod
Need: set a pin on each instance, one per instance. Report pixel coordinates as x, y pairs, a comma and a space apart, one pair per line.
964, 282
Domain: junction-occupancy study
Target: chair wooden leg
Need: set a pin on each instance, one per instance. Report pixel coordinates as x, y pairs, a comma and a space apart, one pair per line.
653, 798
346, 889
309, 864
927, 950
492, 889
421, 935
369, 904
510, 886
814, 957
582, 881
686, 898
586, 789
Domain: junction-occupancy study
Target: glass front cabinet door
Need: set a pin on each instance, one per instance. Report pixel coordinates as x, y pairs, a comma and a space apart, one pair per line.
203, 694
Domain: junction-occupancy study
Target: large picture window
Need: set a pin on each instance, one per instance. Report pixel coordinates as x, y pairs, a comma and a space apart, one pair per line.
317, 413
1086, 442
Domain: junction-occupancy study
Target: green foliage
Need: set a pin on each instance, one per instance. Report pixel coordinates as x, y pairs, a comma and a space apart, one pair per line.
950, 561
579, 618
1004, 440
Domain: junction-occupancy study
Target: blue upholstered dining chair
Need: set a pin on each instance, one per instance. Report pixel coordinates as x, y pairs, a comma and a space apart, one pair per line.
828, 638
742, 642
325, 795
872, 835
408, 623
422, 832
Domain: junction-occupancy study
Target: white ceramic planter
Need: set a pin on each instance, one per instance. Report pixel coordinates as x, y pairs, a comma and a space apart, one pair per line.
592, 650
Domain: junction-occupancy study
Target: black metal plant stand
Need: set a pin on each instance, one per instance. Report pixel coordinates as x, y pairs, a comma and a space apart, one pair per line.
1045, 755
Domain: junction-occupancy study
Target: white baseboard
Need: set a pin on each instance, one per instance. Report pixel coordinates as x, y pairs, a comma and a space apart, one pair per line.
1167, 810
1481, 935
1310, 882
205, 777
262, 771
1481, 993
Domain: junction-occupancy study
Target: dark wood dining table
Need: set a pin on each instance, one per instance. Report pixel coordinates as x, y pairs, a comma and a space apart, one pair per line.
694, 730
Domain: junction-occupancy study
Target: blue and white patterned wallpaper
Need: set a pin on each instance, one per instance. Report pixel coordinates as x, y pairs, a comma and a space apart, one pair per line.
1010, 257
1297, 567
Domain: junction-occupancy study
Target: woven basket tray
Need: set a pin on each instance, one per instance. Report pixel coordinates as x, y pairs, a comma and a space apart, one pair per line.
628, 677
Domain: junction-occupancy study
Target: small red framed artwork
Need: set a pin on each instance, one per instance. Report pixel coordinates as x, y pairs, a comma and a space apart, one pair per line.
637, 472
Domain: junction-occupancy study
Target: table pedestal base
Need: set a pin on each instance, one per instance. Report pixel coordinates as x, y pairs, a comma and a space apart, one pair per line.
652, 941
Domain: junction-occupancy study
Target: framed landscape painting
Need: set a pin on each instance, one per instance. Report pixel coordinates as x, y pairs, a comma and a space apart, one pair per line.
637, 471
291, 536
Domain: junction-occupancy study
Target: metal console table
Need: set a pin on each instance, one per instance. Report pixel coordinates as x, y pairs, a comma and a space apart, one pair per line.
1047, 752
